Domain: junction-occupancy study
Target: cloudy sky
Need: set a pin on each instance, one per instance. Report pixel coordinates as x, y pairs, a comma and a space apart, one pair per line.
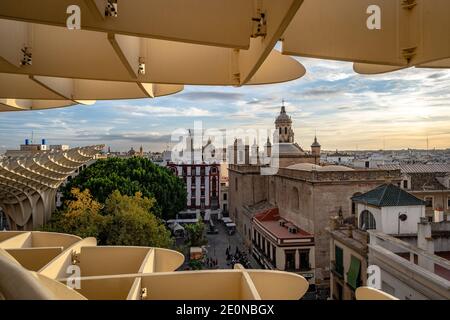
348, 111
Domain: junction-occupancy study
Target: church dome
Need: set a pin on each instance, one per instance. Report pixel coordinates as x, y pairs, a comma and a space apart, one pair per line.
283, 117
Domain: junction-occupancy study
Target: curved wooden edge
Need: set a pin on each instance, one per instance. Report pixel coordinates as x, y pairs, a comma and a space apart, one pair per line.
57, 268
373, 69
368, 293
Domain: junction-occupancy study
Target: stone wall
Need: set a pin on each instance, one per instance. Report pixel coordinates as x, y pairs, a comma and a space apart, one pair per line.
321, 195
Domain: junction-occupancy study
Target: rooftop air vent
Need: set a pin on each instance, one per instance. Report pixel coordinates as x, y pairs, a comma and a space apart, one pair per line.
292, 229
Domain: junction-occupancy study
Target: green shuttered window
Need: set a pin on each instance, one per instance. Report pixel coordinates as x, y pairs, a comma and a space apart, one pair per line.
354, 272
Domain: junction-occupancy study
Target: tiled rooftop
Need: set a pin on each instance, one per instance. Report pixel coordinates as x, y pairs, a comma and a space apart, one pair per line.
270, 220
388, 195
417, 168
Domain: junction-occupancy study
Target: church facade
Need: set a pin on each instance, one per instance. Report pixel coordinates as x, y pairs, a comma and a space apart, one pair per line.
283, 217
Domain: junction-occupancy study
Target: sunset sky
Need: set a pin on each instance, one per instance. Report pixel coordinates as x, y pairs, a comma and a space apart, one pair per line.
347, 111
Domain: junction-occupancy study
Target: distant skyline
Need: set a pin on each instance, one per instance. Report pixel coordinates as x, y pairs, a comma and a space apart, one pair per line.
348, 111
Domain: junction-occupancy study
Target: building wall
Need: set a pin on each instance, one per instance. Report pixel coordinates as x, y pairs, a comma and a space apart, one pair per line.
376, 213
394, 286
281, 194
193, 174
387, 221
440, 200
328, 199
279, 262
285, 161
390, 221
413, 278
321, 195
348, 292
245, 189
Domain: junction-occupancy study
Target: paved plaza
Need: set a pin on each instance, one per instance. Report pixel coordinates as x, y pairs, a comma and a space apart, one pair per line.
217, 246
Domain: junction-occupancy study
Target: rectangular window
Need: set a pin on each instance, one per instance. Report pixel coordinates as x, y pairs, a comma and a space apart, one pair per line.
225, 196
448, 203
405, 184
304, 260
290, 260
339, 260
429, 202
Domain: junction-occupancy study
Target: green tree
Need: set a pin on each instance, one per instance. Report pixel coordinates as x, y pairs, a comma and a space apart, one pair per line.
195, 232
132, 223
195, 265
130, 176
81, 216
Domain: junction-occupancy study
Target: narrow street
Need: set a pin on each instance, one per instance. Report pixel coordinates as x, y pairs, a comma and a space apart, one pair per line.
218, 243
217, 246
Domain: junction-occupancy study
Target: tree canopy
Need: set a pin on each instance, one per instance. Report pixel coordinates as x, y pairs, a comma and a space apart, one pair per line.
129, 176
123, 220
130, 223
195, 232
81, 216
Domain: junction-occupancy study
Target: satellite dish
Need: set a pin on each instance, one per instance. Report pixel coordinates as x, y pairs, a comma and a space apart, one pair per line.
403, 217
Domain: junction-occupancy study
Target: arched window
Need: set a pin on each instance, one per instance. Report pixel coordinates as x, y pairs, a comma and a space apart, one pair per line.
294, 199
285, 130
367, 221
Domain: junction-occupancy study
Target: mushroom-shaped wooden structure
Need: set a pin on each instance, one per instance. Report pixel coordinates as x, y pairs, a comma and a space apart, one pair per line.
43, 265
28, 183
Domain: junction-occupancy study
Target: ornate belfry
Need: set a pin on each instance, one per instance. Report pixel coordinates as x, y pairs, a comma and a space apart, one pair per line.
283, 124
28, 184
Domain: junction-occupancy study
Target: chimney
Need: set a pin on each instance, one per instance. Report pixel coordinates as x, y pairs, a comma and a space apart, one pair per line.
425, 242
438, 215
247, 154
